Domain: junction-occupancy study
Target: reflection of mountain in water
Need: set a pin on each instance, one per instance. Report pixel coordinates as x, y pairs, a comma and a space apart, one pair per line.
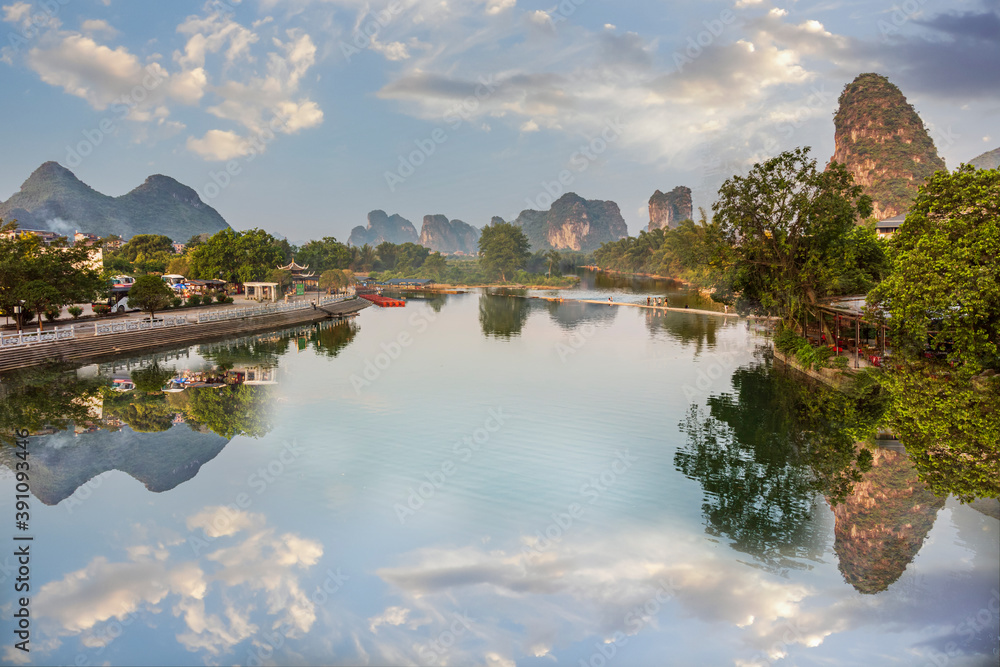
503, 316
61, 463
882, 524
571, 314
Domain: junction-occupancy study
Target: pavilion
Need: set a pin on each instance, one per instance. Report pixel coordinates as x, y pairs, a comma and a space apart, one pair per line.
301, 276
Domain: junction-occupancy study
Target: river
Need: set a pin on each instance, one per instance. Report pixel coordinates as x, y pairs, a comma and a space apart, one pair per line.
480, 479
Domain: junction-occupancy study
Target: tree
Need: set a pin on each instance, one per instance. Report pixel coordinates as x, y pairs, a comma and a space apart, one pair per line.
503, 249
332, 279
149, 293
786, 224
435, 265
237, 257
363, 258
44, 278
386, 252
553, 258
944, 287
179, 266
281, 276
323, 255
148, 252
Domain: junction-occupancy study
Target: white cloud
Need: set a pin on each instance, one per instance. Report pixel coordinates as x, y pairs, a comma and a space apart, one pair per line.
219, 145
530, 126
16, 12
101, 26
494, 7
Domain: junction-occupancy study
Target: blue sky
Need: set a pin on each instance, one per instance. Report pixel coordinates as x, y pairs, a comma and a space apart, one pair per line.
469, 108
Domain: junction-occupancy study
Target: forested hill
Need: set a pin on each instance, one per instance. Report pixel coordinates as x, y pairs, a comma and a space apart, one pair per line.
54, 199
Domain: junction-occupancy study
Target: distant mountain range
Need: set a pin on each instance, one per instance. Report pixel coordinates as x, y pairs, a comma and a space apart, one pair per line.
988, 160
54, 199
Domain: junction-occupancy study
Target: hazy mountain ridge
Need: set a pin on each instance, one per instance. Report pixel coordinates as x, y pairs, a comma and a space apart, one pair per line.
54, 199
988, 160
448, 237
382, 227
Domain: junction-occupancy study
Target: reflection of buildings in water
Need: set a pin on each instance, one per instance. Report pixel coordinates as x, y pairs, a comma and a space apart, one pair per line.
258, 375
882, 524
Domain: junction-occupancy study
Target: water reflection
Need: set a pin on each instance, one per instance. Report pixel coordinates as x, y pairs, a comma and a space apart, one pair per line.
882, 523
701, 331
571, 314
503, 315
763, 452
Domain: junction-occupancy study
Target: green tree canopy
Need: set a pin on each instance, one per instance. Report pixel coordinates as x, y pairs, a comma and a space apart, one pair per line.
44, 277
323, 255
503, 249
944, 287
787, 225
149, 293
237, 257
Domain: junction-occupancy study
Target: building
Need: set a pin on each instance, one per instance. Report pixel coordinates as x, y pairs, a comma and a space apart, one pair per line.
301, 276
886, 228
85, 238
46, 236
179, 248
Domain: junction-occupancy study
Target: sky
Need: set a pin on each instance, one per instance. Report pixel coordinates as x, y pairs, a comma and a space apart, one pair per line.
301, 116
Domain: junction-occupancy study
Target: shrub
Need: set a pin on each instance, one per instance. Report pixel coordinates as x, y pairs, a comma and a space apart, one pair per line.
222, 298
839, 363
176, 302
102, 309
194, 300
52, 314
75, 312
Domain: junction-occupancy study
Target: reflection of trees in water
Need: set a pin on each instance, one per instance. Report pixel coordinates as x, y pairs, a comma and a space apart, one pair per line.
330, 338
46, 396
761, 454
950, 427
571, 314
258, 350
502, 316
699, 330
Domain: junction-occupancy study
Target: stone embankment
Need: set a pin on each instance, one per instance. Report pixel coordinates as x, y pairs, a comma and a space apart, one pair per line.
84, 348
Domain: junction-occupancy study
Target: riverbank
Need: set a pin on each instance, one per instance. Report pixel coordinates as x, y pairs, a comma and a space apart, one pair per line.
86, 347
641, 275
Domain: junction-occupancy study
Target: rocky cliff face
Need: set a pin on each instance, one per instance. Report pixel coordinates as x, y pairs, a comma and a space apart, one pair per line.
573, 223
883, 142
667, 209
882, 524
382, 227
54, 199
440, 235
988, 160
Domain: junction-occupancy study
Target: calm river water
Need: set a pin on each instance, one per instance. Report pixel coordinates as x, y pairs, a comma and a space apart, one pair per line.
483, 480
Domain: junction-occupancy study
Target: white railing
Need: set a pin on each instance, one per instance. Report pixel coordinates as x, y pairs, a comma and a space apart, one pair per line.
18, 340
267, 309
102, 328
35, 337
